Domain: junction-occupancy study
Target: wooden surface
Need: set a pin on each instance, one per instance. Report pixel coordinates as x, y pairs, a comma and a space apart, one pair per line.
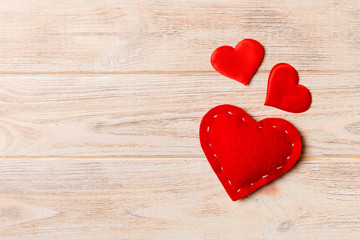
100, 106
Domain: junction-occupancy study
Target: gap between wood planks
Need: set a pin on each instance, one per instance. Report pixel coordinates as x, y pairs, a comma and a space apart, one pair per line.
77, 158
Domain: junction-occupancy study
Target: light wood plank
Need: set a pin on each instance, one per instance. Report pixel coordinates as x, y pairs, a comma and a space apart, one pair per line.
159, 115
101, 156
148, 36
113, 199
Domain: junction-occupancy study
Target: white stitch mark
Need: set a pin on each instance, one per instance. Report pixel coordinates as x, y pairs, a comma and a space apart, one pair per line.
221, 168
288, 157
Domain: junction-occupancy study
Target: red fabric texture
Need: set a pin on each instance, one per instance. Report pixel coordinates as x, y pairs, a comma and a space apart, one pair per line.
284, 92
239, 63
245, 154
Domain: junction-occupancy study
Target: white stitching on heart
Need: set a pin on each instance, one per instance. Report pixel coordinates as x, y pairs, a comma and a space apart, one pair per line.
265, 176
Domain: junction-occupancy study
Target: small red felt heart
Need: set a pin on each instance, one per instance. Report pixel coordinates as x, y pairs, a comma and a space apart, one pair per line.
245, 154
284, 91
239, 63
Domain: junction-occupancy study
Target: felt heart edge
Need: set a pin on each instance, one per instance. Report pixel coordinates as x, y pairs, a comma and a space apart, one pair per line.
281, 124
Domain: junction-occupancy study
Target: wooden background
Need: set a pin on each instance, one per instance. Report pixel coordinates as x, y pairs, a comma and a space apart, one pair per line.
101, 100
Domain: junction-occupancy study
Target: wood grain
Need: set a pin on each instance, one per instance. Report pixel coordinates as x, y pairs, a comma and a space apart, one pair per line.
100, 104
159, 115
151, 36
114, 199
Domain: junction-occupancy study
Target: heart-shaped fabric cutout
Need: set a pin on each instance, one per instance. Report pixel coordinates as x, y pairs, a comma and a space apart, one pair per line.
239, 63
284, 91
245, 154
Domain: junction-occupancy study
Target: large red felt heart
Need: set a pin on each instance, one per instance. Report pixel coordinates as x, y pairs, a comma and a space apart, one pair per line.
245, 154
284, 91
239, 63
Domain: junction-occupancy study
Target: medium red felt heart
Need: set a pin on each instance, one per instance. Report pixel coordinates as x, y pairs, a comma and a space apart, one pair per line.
239, 63
245, 154
284, 91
